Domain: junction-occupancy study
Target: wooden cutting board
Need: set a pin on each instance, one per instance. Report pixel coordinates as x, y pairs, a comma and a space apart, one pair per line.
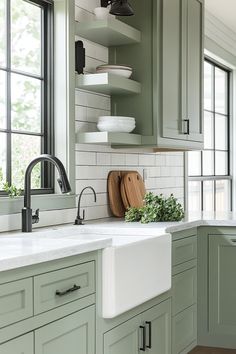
134, 189
114, 193
123, 195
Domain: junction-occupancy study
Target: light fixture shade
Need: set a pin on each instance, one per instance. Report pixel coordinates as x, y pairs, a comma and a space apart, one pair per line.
121, 8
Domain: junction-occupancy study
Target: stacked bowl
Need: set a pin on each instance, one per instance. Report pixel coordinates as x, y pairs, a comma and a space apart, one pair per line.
116, 124
121, 70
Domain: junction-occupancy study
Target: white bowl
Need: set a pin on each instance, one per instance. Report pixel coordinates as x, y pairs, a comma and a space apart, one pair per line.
101, 13
116, 118
117, 127
119, 72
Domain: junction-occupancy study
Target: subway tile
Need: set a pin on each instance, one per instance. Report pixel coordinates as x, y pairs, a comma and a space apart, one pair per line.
118, 159
147, 160
100, 186
103, 158
91, 172
85, 158
131, 159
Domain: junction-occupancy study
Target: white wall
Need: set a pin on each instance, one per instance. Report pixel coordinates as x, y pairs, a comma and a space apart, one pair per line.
164, 171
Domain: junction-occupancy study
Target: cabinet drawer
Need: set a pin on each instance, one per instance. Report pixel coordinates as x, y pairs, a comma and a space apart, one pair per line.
16, 301
184, 250
62, 286
184, 329
184, 290
21, 345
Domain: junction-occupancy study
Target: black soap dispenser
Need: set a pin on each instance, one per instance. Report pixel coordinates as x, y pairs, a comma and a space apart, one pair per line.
79, 57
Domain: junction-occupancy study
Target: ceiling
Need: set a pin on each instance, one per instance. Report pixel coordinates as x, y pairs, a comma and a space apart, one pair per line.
224, 10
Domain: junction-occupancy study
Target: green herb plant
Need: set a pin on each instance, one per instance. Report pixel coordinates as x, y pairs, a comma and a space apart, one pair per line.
12, 190
156, 208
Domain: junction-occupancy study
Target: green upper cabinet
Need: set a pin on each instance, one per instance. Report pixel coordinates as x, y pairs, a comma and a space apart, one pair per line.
168, 62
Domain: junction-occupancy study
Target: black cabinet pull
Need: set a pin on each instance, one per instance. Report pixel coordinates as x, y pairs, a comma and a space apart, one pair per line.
143, 348
149, 345
68, 291
188, 128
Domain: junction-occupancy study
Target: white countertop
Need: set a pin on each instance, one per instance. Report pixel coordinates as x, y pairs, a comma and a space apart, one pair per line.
115, 226
46, 244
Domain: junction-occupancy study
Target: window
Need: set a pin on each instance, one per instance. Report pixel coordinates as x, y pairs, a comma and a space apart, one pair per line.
209, 181
26, 127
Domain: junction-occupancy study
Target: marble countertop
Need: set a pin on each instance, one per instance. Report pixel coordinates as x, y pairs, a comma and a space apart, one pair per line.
115, 226
46, 244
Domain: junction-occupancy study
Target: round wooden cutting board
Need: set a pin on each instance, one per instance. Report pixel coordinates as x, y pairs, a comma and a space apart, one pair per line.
134, 189
114, 192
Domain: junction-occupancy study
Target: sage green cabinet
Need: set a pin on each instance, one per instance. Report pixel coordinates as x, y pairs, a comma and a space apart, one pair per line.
184, 292
151, 330
20, 345
184, 330
16, 301
74, 334
222, 287
168, 62
182, 62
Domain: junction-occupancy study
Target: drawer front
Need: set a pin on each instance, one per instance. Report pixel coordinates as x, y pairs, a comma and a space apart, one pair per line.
184, 250
16, 301
62, 286
184, 290
21, 345
184, 329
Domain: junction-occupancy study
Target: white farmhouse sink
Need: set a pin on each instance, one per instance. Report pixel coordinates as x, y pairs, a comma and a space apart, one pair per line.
134, 270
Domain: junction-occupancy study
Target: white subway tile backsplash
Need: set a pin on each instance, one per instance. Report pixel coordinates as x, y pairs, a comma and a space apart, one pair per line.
164, 172
103, 159
147, 160
85, 158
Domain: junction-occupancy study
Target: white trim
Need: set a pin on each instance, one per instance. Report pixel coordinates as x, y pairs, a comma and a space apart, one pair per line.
220, 33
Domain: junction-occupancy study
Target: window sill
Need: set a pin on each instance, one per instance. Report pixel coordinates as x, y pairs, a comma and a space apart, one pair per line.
43, 202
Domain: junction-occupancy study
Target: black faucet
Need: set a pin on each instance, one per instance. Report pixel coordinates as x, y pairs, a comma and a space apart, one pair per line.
79, 220
27, 218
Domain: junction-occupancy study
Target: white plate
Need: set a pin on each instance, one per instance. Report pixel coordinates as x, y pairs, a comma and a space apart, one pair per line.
115, 67
119, 72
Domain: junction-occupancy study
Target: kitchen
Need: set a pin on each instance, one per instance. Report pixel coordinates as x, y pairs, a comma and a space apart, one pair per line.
104, 285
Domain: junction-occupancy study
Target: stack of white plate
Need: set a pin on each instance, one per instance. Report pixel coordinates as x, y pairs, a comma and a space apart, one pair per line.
121, 70
116, 124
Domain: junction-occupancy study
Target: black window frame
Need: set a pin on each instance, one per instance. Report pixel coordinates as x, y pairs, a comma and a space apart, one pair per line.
202, 178
47, 93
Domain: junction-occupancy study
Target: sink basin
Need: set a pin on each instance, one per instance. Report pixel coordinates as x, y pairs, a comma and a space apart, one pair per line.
134, 271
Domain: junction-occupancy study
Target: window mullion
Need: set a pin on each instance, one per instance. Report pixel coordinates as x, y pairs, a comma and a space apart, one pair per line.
8, 99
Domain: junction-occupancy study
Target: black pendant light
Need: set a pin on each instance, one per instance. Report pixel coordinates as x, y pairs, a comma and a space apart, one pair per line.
118, 7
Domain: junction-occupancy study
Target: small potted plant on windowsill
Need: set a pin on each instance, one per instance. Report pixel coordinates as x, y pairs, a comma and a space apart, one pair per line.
11, 190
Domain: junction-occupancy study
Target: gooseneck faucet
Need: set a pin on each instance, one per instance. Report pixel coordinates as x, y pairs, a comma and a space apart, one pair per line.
27, 218
79, 220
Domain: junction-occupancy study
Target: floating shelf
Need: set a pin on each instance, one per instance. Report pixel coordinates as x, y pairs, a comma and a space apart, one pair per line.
109, 32
105, 138
107, 84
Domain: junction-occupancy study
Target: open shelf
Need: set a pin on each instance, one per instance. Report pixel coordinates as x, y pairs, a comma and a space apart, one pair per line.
107, 84
105, 138
108, 32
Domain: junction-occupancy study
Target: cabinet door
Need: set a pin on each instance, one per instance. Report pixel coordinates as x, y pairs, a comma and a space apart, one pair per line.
126, 338
74, 334
172, 75
195, 59
20, 345
158, 328
222, 287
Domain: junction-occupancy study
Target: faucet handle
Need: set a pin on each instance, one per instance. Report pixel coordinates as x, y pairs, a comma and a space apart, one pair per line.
35, 217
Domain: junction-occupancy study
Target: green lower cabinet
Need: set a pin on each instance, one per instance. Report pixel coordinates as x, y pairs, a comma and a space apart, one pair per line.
222, 289
184, 329
150, 331
74, 334
20, 345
